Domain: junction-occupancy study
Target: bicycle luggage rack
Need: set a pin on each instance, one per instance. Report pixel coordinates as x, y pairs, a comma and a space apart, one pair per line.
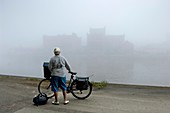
82, 78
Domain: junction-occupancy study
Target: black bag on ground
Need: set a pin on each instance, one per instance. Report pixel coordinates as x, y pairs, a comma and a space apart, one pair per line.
40, 99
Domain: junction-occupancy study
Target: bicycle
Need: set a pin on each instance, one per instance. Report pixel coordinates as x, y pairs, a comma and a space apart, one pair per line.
79, 87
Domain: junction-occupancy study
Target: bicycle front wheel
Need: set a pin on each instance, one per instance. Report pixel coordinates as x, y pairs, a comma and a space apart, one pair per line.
81, 94
45, 87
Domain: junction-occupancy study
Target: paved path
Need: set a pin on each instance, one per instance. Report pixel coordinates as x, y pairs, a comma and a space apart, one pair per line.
16, 97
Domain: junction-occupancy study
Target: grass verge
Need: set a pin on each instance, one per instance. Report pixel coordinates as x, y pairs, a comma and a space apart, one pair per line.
99, 85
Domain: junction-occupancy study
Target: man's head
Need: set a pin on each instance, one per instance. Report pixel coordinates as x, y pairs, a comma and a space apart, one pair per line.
57, 51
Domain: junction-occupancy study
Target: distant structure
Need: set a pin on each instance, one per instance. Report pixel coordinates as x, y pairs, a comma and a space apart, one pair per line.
159, 49
110, 54
103, 53
70, 44
100, 43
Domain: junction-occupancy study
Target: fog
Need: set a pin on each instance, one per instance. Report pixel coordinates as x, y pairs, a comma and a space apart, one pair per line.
119, 41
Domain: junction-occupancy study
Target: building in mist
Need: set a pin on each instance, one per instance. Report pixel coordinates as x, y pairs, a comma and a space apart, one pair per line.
100, 43
103, 53
110, 54
70, 44
155, 49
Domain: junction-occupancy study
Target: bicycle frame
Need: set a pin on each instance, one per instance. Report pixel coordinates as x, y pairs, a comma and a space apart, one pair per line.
70, 81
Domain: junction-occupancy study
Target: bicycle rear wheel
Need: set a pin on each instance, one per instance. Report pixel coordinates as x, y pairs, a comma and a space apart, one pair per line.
81, 94
45, 87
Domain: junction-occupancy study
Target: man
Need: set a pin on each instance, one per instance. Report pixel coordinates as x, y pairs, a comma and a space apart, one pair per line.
58, 77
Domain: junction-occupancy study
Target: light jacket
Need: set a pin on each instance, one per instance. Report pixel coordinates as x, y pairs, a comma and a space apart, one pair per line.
57, 64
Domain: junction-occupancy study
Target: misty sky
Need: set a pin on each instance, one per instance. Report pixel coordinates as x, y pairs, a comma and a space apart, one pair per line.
24, 22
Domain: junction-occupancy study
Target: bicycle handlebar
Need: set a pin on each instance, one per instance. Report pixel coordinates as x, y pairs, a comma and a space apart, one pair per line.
73, 73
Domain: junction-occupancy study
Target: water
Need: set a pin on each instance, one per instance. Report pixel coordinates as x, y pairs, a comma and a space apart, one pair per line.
150, 70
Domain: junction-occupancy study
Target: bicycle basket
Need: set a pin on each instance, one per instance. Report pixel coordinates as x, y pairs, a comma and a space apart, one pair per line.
47, 73
82, 83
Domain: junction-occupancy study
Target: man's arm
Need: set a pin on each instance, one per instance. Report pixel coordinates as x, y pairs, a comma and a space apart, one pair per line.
67, 65
50, 65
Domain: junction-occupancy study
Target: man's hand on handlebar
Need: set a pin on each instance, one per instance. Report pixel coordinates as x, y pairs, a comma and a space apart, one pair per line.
73, 73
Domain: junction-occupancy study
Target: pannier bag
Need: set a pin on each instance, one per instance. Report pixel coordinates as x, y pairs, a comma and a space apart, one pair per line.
82, 83
47, 73
40, 99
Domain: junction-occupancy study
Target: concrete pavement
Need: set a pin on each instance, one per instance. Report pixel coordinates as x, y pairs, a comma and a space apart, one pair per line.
17, 93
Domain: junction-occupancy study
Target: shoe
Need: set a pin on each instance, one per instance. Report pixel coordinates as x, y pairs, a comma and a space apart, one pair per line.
55, 102
66, 102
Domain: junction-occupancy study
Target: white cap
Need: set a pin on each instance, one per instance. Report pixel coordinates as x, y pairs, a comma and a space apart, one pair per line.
57, 51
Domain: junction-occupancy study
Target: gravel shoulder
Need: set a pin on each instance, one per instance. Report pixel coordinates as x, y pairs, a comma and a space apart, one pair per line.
17, 94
